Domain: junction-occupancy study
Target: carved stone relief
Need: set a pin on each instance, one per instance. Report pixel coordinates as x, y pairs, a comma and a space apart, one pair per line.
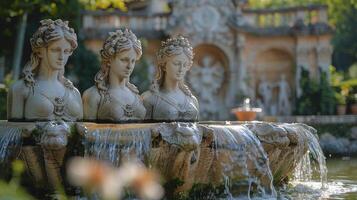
206, 80
202, 21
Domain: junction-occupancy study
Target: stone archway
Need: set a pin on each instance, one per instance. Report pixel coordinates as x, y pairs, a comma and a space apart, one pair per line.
267, 69
209, 80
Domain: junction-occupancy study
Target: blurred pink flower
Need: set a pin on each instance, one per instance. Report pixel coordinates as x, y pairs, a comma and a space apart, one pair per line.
95, 176
109, 182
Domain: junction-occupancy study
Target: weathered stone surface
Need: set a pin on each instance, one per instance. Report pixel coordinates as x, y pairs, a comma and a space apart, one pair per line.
44, 93
245, 154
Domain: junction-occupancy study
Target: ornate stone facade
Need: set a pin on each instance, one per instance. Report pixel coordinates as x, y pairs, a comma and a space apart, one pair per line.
243, 44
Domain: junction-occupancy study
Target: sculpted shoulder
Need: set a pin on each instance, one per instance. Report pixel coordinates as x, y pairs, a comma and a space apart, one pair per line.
91, 94
148, 97
76, 92
20, 88
91, 101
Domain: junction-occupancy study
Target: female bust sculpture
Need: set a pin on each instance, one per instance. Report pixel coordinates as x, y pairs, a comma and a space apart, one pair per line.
113, 97
169, 97
44, 93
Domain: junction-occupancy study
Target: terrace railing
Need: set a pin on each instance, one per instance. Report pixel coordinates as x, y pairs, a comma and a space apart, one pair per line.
279, 17
138, 22
149, 24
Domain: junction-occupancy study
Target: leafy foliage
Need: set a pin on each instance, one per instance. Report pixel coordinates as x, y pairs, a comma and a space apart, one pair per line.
104, 4
345, 85
12, 190
82, 66
327, 99
317, 97
140, 75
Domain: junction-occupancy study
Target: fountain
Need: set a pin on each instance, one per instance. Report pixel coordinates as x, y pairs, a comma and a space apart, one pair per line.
246, 112
202, 160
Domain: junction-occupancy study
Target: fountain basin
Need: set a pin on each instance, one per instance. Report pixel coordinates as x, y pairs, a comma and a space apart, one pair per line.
246, 112
234, 156
246, 115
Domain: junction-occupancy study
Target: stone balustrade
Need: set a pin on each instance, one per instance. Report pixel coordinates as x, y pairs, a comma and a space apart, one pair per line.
117, 19
278, 17
142, 22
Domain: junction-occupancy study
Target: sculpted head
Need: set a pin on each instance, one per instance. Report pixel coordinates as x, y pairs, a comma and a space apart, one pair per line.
118, 56
174, 58
52, 44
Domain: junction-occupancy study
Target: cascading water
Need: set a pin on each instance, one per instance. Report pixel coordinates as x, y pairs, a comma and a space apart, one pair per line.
238, 160
10, 139
303, 171
247, 164
116, 145
303, 186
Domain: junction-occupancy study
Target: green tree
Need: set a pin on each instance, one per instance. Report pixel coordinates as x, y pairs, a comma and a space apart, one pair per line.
344, 40
19, 19
83, 64
317, 98
14, 16
308, 102
327, 97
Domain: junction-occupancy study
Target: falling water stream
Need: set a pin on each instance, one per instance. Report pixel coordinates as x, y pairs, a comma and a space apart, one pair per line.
10, 139
246, 150
310, 176
117, 145
239, 160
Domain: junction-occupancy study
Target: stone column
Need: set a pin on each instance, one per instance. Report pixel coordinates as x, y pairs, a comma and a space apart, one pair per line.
322, 15
88, 21
242, 72
324, 53
302, 52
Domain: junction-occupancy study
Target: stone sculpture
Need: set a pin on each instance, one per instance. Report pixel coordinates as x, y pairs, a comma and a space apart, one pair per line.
284, 107
44, 93
44, 160
169, 97
113, 97
265, 91
206, 81
226, 159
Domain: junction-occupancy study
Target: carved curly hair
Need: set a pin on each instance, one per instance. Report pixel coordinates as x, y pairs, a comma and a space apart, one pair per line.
117, 42
170, 47
48, 32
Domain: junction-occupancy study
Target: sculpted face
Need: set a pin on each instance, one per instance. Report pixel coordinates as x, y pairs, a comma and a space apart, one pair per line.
177, 66
123, 63
57, 54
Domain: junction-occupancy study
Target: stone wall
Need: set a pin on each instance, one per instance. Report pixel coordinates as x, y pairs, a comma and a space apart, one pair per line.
243, 44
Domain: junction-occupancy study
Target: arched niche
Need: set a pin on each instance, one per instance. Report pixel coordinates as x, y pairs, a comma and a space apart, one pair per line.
270, 64
208, 79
